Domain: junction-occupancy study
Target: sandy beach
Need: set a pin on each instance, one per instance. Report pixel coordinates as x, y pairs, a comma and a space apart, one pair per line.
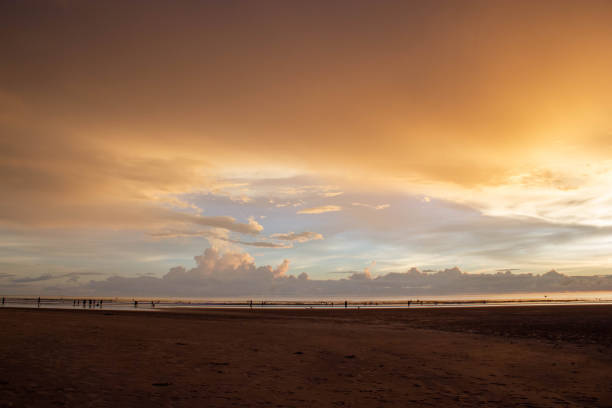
557, 356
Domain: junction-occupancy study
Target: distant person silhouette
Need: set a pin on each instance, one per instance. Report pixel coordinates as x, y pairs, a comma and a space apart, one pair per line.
135, 303
152, 304
345, 304
3, 301
38, 302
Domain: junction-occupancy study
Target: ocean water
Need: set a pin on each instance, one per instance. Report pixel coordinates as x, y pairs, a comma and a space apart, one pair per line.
157, 304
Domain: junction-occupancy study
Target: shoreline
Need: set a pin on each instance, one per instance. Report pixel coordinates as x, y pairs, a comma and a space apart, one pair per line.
67, 303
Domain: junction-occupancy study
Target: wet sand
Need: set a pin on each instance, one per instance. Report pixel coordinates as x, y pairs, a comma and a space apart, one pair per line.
556, 356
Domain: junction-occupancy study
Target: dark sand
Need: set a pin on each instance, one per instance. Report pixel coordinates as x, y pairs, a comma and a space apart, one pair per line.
511, 356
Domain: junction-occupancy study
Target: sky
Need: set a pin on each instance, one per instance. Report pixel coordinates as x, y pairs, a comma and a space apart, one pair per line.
327, 140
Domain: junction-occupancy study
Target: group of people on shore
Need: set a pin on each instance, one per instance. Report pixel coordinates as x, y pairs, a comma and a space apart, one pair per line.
92, 303
87, 302
152, 303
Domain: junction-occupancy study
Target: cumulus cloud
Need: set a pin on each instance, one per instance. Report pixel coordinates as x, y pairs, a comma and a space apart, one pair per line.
298, 237
229, 273
366, 274
368, 270
282, 269
320, 210
228, 266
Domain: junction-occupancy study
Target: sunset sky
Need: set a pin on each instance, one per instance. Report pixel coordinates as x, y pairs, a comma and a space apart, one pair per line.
344, 137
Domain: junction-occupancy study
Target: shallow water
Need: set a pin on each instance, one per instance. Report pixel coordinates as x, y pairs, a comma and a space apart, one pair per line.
446, 301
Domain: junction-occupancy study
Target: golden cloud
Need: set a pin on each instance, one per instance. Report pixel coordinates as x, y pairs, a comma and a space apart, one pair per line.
320, 210
99, 127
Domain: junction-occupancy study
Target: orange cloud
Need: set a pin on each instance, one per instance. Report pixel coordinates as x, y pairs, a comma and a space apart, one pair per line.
446, 93
320, 210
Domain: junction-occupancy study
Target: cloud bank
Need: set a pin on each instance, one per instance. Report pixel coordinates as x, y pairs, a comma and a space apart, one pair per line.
234, 274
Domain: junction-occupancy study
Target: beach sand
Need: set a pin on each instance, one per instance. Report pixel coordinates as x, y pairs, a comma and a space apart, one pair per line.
555, 356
